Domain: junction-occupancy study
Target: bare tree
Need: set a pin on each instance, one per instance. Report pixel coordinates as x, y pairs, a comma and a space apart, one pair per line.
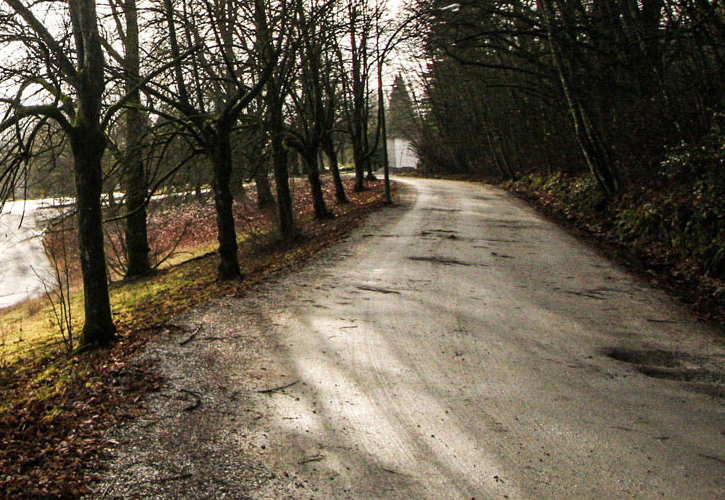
314, 30
274, 43
213, 79
137, 261
357, 56
57, 71
132, 158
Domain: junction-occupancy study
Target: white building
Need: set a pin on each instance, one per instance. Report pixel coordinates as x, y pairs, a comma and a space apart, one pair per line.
401, 154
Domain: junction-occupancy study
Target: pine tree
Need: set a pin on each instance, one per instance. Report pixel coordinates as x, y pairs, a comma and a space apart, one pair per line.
401, 117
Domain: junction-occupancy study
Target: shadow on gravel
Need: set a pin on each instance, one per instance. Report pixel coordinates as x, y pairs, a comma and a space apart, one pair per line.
673, 365
433, 209
436, 233
655, 357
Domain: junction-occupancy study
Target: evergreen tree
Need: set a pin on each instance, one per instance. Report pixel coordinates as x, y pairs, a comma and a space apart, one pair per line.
401, 117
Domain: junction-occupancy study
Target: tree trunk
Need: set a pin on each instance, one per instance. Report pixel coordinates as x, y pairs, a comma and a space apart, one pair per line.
383, 130
137, 261
358, 103
358, 158
295, 164
137, 246
198, 193
367, 152
265, 199
236, 181
329, 148
370, 177
88, 144
313, 176
223, 202
285, 217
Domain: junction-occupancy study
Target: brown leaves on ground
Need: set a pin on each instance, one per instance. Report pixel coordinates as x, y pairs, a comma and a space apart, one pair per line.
55, 408
53, 417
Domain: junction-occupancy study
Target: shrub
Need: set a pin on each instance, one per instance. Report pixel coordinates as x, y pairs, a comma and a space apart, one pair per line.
680, 216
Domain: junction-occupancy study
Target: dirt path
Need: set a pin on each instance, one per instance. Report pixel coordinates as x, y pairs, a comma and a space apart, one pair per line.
457, 346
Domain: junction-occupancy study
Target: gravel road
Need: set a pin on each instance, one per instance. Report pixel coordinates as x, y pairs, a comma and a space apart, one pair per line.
456, 346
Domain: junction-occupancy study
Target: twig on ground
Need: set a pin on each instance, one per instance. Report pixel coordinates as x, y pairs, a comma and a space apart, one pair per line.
315, 458
108, 488
191, 337
277, 389
393, 471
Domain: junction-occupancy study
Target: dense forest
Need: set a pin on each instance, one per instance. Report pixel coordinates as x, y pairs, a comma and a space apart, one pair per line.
608, 86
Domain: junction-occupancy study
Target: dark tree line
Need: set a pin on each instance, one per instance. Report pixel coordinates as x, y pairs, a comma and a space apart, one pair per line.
603, 85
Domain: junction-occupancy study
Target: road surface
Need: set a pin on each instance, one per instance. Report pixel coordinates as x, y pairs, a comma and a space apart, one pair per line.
457, 346
24, 268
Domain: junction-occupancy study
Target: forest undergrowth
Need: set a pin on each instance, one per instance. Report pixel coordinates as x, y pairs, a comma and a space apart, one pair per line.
55, 407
